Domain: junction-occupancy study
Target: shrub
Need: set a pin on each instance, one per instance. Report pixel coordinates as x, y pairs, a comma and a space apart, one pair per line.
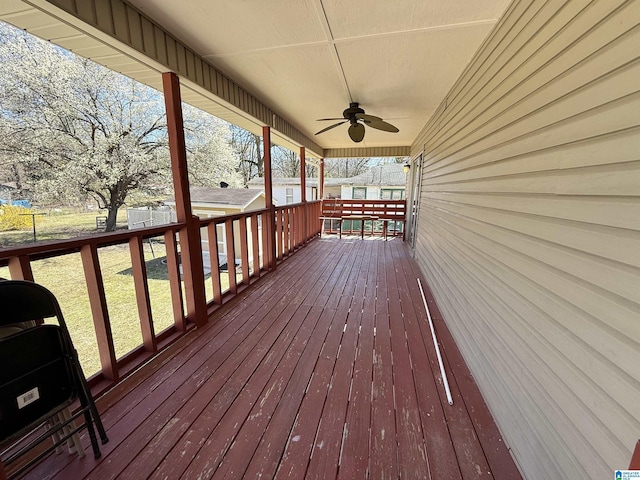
12, 218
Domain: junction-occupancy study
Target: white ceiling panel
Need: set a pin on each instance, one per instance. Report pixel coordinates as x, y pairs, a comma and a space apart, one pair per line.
222, 27
307, 59
374, 17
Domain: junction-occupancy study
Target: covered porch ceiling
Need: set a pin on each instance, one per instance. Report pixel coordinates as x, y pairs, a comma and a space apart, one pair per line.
285, 63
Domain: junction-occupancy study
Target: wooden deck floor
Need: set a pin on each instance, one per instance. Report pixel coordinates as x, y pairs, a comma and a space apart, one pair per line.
325, 369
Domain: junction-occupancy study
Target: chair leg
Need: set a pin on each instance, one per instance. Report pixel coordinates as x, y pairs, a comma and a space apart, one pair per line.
92, 434
50, 424
90, 403
74, 444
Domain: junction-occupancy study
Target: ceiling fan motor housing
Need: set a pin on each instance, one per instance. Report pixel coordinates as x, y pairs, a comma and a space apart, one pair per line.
350, 113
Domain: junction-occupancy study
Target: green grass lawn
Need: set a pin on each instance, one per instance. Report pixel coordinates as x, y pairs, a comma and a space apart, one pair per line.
64, 277
58, 224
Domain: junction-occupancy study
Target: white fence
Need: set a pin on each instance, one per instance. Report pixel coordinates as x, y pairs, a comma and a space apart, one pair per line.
149, 217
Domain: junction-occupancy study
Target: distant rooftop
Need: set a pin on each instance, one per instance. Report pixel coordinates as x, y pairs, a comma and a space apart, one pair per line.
240, 197
391, 174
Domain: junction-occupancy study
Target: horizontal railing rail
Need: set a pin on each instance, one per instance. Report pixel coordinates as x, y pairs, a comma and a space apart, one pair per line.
237, 250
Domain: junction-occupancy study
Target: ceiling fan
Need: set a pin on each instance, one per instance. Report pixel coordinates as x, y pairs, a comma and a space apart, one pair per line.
354, 115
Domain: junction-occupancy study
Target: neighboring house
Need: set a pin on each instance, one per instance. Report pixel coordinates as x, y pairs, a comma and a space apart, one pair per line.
7, 191
11, 195
385, 182
287, 190
216, 202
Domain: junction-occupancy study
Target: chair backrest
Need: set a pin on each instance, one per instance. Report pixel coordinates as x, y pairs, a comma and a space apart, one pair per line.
22, 301
40, 375
36, 378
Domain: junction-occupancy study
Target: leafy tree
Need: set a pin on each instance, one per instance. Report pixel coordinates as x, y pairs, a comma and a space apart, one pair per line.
79, 128
210, 156
14, 218
73, 129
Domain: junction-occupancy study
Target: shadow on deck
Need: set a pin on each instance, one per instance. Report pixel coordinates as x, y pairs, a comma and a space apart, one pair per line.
324, 369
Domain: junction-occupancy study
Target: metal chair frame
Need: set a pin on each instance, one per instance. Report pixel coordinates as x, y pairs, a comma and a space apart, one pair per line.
26, 305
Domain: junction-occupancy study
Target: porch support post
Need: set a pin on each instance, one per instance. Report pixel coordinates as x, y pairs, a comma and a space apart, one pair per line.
304, 221
190, 249
321, 179
303, 175
268, 193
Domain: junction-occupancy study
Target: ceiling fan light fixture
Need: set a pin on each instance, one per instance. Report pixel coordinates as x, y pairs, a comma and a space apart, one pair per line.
356, 132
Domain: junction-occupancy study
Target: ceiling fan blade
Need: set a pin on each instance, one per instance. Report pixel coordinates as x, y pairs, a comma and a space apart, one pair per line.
382, 125
356, 132
332, 126
325, 119
376, 122
368, 118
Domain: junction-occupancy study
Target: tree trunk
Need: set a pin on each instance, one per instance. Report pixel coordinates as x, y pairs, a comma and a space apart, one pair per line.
259, 156
112, 216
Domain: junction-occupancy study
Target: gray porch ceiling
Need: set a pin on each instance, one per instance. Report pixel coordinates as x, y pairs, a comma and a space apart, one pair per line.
304, 60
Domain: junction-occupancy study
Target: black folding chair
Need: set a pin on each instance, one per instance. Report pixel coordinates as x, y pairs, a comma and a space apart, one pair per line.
40, 376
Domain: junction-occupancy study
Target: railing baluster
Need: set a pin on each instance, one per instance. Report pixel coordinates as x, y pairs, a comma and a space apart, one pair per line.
255, 245
244, 251
98, 302
139, 271
173, 271
265, 241
287, 232
214, 255
20, 268
231, 256
280, 233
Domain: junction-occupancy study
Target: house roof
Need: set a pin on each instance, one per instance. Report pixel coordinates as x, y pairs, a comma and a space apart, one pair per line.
391, 175
232, 197
259, 181
388, 175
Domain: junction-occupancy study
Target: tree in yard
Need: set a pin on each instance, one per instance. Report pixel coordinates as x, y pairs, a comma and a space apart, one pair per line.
74, 130
249, 151
210, 156
286, 164
345, 167
79, 129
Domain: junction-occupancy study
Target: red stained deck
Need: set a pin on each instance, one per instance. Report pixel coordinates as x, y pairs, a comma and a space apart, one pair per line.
324, 369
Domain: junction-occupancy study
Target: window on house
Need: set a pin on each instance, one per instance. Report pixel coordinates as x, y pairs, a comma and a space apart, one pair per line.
392, 194
359, 193
289, 195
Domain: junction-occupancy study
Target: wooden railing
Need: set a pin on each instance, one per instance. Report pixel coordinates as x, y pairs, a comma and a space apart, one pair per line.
635, 458
389, 212
237, 250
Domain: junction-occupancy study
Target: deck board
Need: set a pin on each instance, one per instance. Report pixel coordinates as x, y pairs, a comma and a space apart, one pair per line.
323, 369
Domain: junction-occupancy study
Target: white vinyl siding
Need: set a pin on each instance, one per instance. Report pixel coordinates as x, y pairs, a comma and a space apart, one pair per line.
529, 231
